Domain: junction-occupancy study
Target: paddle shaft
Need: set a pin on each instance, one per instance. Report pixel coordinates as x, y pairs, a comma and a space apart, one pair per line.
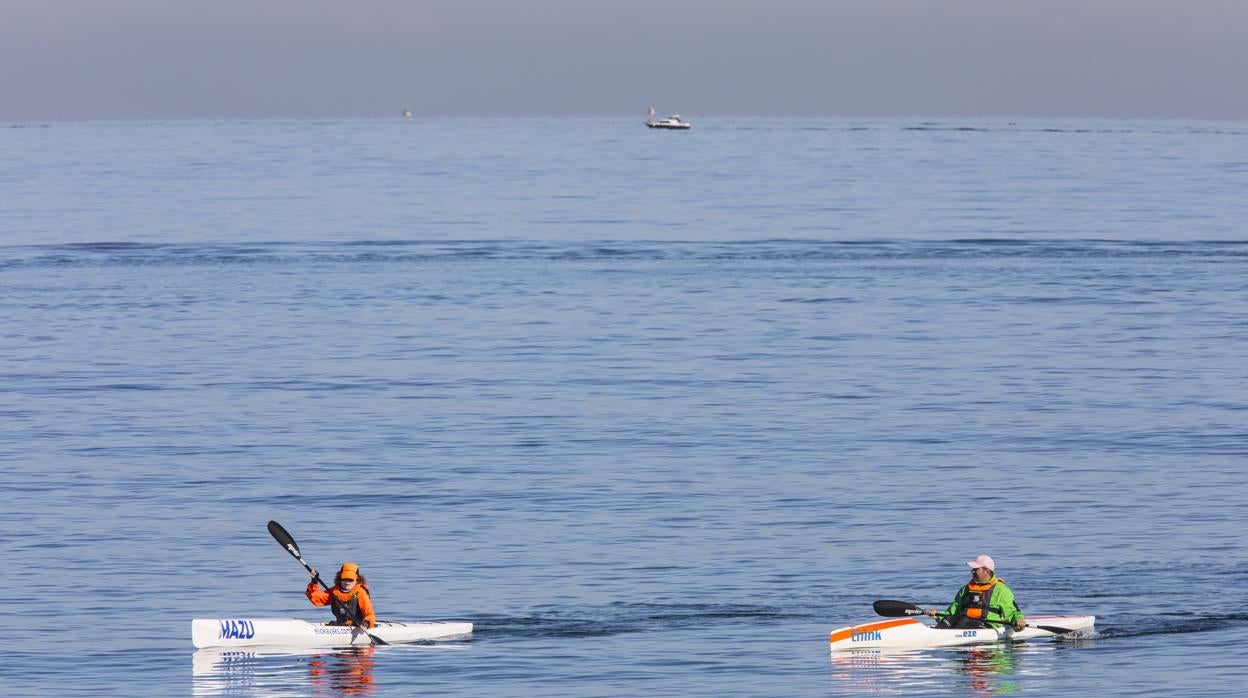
905, 608
287, 541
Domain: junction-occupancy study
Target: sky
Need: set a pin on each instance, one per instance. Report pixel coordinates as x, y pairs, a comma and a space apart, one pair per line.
161, 59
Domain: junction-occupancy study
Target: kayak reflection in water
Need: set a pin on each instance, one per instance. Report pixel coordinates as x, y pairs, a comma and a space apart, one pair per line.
348, 599
985, 602
985, 666
349, 672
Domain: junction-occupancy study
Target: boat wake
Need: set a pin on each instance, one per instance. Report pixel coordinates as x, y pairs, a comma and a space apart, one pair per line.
107, 255
619, 618
1170, 624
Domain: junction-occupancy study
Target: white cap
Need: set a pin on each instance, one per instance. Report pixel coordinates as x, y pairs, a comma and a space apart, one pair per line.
982, 561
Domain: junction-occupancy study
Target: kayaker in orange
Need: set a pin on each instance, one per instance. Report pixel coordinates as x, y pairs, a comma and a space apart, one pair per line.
348, 599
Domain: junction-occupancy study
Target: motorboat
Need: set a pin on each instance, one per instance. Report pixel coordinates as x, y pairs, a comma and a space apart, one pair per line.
672, 122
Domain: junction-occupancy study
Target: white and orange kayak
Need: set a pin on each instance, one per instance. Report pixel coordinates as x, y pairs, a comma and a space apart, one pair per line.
911, 633
292, 632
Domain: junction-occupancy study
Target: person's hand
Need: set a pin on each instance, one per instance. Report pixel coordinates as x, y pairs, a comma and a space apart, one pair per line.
1019, 625
931, 612
314, 575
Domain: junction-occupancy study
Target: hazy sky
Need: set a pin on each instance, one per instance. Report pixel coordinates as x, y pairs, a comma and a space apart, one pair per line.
109, 59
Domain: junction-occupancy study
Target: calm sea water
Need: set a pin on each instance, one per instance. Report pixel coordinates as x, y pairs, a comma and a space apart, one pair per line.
656, 411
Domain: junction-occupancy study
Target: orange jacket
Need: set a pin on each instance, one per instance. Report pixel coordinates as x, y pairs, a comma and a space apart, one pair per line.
320, 597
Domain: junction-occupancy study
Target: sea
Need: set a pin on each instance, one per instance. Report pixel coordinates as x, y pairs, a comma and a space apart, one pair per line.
655, 411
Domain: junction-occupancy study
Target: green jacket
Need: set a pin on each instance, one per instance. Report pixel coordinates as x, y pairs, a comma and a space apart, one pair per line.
1002, 609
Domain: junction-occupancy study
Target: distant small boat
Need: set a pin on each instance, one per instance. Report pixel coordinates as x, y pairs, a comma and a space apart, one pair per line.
672, 122
407, 113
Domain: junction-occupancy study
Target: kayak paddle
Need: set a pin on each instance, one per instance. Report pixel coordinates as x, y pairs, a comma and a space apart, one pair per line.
894, 609
287, 541
1051, 628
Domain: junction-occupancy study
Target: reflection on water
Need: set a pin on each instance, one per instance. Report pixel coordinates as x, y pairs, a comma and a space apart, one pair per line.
987, 669
348, 673
983, 670
269, 672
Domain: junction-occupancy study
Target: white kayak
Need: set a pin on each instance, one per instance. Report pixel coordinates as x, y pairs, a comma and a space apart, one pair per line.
292, 632
910, 633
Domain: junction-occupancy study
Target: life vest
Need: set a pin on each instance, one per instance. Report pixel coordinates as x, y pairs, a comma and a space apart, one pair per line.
977, 599
348, 608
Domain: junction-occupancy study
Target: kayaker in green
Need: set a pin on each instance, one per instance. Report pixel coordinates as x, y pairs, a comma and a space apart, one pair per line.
984, 602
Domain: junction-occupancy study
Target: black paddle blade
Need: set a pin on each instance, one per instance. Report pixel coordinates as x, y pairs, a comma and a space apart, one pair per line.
1055, 630
284, 539
371, 637
895, 609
